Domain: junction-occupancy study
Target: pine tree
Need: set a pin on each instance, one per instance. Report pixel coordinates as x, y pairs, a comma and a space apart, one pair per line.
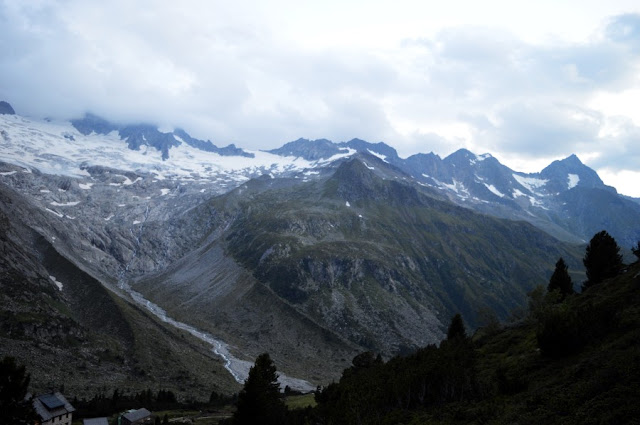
636, 250
14, 383
602, 259
456, 329
560, 279
260, 401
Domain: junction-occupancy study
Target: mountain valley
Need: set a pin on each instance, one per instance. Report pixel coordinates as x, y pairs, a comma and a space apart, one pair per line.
313, 252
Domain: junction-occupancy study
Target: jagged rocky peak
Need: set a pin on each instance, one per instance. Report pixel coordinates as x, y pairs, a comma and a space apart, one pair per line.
461, 157
430, 157
356, 181
570, 172
6, 109
426, 165
311, 150
352, 181
465, 157
91, 123
144, 134
208, 146
137, 135
379, 148
353, 170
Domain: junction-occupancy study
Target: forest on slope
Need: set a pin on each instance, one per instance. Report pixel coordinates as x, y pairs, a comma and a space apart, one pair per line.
573, 359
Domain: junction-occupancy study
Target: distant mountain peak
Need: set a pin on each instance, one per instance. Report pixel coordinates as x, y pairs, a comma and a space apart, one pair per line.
6, 109
352, 181
355, 180
570, 172
569, 164
379, 148
311, 150
352, 169
572, 160
137, 135
461, 156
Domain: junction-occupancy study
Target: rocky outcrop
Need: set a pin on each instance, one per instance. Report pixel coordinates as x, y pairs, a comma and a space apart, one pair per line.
6, 109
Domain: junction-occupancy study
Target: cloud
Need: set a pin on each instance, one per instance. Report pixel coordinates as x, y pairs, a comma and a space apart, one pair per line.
625, 29
539, 129
247, 73
620, 146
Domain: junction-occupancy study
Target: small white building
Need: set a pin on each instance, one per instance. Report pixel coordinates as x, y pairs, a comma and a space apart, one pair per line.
95, 421
53, 409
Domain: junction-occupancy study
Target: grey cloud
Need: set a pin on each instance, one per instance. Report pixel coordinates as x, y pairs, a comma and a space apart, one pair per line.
536, 129
476, 45
485, 65
428, 142
222, 74
625, 29
622, 150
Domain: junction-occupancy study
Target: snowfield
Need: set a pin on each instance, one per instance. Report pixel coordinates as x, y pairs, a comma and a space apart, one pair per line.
530, 183
572, 180
56, 147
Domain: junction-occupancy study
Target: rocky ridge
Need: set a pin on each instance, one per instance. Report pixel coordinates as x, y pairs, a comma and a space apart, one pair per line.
301, 251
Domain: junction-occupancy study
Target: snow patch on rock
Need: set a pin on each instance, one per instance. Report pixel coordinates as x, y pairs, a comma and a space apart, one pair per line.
379, 155
530, 183
56, 282
55, 212
66, 204
493, 190
572, 180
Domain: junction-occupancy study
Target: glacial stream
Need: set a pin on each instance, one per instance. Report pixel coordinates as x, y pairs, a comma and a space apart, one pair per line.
238, 368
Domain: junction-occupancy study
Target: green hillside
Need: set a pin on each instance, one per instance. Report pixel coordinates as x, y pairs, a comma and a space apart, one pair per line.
384, 262
525, 373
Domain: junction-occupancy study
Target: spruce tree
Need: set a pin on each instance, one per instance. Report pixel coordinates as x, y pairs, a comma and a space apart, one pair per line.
636, 250
456, 329
560, 279
14, 383
602, 259
259, 402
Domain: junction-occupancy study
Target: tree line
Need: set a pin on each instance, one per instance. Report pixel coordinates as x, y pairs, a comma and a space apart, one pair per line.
372, 391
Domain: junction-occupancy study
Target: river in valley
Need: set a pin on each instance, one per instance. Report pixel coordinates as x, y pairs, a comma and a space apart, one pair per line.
238, 368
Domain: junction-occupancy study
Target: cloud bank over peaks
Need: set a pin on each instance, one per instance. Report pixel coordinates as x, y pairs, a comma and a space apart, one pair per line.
259, 75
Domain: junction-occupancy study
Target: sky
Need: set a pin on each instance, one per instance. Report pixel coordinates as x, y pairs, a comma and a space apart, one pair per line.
528, 82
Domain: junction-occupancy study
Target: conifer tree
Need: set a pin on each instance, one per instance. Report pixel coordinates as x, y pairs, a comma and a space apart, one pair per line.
456, 329
259, 402
602, 259
560, 279
636, 250
14, 383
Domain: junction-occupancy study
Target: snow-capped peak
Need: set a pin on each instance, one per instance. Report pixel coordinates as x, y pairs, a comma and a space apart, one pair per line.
59, 148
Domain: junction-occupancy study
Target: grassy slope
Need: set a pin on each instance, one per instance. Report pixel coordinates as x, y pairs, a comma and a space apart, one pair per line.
598, 384
391, 249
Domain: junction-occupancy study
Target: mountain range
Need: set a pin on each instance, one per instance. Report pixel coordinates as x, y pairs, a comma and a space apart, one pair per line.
313, 251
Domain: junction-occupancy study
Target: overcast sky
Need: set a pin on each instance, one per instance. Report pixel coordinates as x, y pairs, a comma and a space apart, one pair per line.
529, 82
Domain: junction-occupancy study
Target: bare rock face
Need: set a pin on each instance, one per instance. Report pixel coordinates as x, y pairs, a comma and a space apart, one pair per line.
6, 109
